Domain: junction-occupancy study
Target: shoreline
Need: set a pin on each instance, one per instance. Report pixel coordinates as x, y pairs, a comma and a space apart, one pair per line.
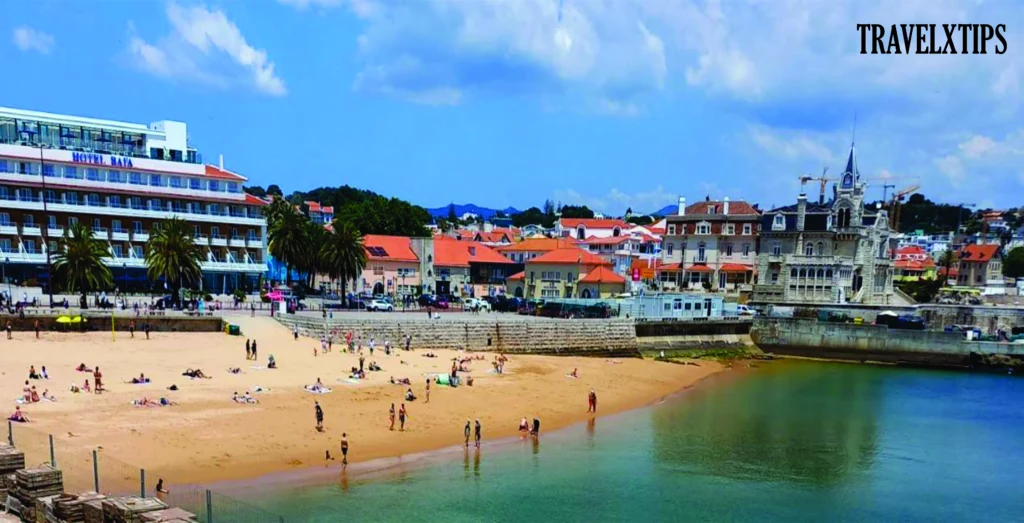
383, 466
207, 438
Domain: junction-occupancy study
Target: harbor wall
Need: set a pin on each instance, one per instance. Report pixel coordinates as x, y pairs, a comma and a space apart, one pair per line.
877, 343
694, 336
937, 316
576, 337
101, 322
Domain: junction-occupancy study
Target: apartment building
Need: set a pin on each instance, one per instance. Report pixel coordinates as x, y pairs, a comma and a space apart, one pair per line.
710, 244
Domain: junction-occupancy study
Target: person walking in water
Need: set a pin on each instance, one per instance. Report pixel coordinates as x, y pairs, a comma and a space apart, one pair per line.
401, 418
466, 432
344, 449
391, 416
477, 431
592, 402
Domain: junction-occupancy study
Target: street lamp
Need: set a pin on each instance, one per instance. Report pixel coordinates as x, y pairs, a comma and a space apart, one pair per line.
124, 266
6, 261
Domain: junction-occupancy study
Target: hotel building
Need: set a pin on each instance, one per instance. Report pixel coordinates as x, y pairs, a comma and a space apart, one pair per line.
122, 179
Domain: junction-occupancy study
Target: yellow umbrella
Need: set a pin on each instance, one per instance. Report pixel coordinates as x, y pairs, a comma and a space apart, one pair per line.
76, 319
64, 319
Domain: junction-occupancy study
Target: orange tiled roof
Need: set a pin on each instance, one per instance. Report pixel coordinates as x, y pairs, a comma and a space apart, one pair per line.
593, 223
735, 207
571, 256
254, 200
602, 275
521, 275
978, 253
539, 245
213, 171
492, 237
611, 240
735, 267
449, 252
396, 247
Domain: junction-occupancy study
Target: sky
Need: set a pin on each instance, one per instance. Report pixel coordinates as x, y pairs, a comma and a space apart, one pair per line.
605, 103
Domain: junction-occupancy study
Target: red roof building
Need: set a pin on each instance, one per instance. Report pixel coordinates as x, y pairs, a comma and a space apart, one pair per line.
980, 266
710, 242
583, 228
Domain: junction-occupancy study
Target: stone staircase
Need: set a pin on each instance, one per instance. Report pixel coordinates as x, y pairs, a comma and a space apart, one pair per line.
577, 337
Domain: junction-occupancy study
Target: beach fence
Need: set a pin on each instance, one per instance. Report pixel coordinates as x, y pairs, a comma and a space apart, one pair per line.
89, 468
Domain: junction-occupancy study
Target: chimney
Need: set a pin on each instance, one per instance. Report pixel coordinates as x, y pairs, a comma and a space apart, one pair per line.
725, 206
801, 211
682, 206
222, 162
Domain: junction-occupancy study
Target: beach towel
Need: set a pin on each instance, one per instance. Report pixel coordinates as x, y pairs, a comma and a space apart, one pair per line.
443, 379
258, 367
20, 401
348, 381
310, 389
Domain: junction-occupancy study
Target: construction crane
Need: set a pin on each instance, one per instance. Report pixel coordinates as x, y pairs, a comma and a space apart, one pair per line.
887, 182
823, 179
897, 204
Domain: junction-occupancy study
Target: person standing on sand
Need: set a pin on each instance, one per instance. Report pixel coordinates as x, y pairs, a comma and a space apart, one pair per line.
361, 361
428, 391
592, 402
131, 328
344, 449
254, 350
248, 350
145, 328
477, 431
295, 332
391, 416
37, 329
408, 341
319, 415
401, 418
97, 377
9, 329
466, 432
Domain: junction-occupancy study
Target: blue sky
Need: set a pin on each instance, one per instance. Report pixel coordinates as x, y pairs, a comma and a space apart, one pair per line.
609, 103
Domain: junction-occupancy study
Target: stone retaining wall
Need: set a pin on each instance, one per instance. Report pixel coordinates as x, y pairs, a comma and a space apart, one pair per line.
612, 337
121, 323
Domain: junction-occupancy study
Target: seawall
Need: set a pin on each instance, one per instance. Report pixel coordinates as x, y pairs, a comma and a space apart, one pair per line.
877, 343
694, 336
511, 334
122, 320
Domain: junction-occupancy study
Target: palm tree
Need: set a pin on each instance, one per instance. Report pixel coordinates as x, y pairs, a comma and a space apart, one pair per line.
288, 233
313, 261
172, 253
343, 255
79, 261
947, 260
277, 208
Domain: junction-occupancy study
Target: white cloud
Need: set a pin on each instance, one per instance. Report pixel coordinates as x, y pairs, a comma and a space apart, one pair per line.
977, 146
792, 145
202, 42
953, 167
615, 202
29, 39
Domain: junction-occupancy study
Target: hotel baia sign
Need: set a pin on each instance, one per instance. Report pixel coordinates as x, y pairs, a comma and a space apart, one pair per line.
102, 159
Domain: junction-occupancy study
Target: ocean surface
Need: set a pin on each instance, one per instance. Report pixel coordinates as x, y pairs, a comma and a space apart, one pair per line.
787, 441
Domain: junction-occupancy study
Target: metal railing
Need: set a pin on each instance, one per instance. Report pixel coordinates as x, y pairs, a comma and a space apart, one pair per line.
86, 468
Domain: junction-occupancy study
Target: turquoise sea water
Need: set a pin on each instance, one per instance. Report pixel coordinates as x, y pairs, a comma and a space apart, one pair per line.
789, 441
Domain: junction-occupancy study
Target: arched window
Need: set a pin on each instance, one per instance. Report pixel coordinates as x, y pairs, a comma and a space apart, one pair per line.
616, 232
848, 180
581, 233
792, 273
821, 249
821, 274
803, 273
828, 273
809, 249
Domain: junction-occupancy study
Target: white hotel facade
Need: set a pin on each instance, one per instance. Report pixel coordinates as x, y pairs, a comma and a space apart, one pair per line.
121, 179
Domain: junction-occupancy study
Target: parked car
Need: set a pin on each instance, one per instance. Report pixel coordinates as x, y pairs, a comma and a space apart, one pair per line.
743, 310
476, 304
379, 305
441, 303
357, 302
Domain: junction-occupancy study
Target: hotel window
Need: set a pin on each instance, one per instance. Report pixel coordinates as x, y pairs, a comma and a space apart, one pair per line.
137, 227
213, 186
821, 249
668, 249
28, 220
728, 250
94, 200
52, 246
197, 233
5, 245
672, 230
4, 167
3, 193
215, 232
117, 250
155, 180
116, 226
195, 184
69, 172
115, 177
779, 222
114, 201
135, 202
809, 249
137, 249
25, 195
776, 249
232, 187
703, 229
730, 229
72, 220
175, 182
378, 270
135, 178
50, 195
30, 247
93, 175
5, 219
154, 205
252, 235
746, 229
701, 252
746, 250
51, 222
96, 224
26, 168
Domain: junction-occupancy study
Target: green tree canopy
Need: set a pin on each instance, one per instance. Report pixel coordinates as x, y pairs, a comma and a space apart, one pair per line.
79, 261
577, 211
533, 216
1013, 264
342, 254
172, 253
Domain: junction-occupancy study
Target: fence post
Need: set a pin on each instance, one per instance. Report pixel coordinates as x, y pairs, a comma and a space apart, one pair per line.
95, 471
209, 507
53, 457
142, 483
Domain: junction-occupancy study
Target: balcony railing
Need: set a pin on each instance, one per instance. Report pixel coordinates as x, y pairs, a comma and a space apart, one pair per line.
92, 204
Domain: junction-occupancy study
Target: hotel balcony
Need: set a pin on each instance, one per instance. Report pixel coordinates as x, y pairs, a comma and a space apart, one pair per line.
218, 241
236, 241
140, 236
254, 243
31, 230
201, 240
54, 231
119, 235
24, 257
126, 210
9, 228
101, 233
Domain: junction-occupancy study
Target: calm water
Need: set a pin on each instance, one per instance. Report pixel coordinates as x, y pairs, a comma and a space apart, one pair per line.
789, 441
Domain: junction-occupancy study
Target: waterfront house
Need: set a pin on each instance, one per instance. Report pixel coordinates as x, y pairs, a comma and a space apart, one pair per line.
913, 263
827, 252
560, 273
583, 228
320, 213
530, 248
980, 266
622, 250
469, 268
392, 268
710, 244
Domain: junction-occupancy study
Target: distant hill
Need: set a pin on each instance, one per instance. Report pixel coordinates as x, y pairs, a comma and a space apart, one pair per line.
483, 212
666, 210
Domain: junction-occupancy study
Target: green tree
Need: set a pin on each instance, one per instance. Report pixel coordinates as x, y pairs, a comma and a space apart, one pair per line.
274, 190
288, 233
172, 253
452, 218
533, 216
577, 211
79, 261
312, 263
343, 255
947, 260
1013, 264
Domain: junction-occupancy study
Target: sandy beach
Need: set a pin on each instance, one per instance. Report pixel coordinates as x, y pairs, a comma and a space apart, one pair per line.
207, 437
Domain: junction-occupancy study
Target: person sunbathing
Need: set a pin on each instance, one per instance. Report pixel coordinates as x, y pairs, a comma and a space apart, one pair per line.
195, 374
245, 398
429, 355
374, 366
357, 374
75, 389
49, 397
316, 387
18, 416
235, 370
400, 381
271, 362
82, 368
35, 395
85, 387
409, 396
145, 402
142, 379
32, 374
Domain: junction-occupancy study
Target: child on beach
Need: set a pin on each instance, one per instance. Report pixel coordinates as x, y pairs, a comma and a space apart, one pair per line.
391, 416
592, 402
97, 377
466, 432
428, 392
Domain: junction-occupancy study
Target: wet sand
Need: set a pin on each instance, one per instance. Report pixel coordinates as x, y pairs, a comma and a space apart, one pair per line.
207, 437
